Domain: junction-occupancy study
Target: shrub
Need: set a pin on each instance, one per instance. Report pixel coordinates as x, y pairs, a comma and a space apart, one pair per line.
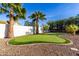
72, 28
45, 28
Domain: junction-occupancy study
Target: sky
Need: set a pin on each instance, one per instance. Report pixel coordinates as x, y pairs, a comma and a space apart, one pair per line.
53, 11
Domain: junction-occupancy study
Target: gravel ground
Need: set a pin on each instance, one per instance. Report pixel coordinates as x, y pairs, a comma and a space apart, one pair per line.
43, 49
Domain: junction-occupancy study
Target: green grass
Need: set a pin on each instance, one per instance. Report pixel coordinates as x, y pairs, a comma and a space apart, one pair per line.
40, 38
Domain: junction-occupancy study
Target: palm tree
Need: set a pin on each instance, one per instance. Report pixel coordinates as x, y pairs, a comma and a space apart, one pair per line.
36, 16
12, 9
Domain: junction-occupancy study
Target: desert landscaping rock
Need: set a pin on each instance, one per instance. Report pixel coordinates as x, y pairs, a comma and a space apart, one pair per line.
74, 49
43, 49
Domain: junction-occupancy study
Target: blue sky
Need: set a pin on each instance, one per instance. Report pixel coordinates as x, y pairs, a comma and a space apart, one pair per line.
53, 11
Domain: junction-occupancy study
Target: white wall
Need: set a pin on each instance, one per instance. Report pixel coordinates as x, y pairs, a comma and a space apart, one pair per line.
18, 30
2, 30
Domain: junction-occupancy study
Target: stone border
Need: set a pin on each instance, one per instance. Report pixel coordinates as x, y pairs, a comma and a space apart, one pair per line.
65, 39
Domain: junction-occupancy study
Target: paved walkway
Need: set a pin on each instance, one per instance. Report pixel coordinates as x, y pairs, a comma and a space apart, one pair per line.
43, 49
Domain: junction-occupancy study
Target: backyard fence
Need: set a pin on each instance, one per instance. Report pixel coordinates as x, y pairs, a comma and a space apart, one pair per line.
18, 30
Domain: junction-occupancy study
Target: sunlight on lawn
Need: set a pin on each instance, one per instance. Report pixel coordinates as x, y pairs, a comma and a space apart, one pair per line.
44, 38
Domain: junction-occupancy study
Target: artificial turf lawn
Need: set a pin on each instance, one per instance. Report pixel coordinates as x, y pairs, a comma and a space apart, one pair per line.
44, 38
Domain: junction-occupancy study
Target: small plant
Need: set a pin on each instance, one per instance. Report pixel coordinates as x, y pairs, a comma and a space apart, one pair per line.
45, 28
72, 28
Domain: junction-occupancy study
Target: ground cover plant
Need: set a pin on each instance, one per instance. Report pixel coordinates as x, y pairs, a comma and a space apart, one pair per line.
40, 38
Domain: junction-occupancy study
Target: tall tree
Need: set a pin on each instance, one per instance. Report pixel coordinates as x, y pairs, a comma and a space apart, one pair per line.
51, 25
36, 16
60, 25
70, 20
14, 11
27, 23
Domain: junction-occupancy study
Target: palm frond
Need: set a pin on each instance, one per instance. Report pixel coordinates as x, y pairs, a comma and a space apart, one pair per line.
23, 10
5, 5
33, 16
3, 10
18, 11
38, 14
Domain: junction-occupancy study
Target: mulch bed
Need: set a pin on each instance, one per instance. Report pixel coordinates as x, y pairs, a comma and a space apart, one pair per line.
43, 49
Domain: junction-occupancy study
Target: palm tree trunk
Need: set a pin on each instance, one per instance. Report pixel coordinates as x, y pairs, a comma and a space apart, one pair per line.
33, 23
37, 25
43, 29
11, 23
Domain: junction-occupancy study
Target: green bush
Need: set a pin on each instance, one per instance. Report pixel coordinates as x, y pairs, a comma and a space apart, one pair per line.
72, 28
45, 27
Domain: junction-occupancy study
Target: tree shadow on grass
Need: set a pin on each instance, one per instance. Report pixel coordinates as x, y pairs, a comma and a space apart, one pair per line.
52, 33
77, 54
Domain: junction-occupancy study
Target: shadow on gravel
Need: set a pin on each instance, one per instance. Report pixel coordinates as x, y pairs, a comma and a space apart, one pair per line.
51, 33
77, 54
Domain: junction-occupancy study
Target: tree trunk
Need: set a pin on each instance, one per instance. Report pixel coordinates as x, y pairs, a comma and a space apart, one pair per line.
43, 29
33, 23
11, 23
37, 25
